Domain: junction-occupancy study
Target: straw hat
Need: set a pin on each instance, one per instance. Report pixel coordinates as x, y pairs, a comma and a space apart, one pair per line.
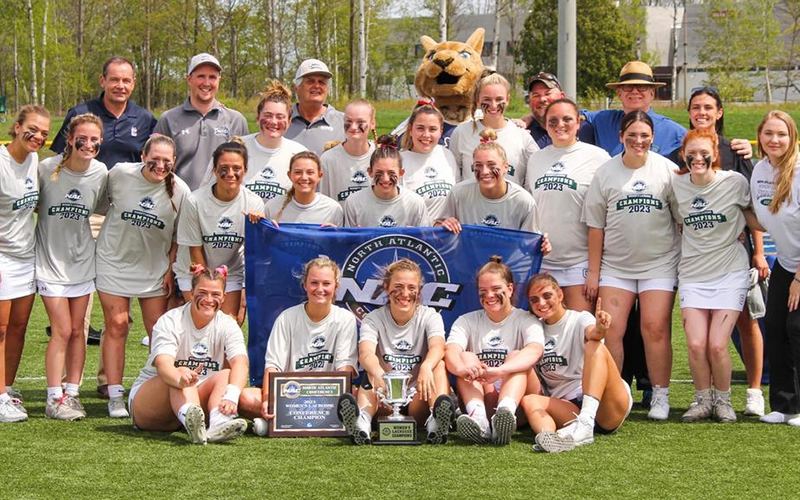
635, 73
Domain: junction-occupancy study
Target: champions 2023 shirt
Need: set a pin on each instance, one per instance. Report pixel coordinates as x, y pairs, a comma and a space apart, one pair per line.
631, 205
561, 366
514, 210
475, 332
407, 209
65, 248
141, 224
559, 178
343, 174
322, 210
218, 227
18, 200
712, 221
297, 344
175, 335
783, 226
430, 175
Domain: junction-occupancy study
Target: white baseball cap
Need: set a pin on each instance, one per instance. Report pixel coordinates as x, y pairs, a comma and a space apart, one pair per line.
201, 59
311, 67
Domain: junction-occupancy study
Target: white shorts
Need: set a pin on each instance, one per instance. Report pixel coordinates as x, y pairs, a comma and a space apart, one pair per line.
571, 276
639, 286
726, 292
69, 291
17, 278
185, 285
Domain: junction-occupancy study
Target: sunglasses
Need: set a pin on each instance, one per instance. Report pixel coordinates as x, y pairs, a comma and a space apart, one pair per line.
631, 87
706, 89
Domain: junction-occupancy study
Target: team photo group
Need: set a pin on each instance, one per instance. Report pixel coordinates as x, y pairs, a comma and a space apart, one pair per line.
634, 210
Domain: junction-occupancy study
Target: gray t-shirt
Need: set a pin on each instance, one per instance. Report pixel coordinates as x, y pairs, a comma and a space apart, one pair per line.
218, 227
712, 221
134, 242
407, 209
65, 249
431, 176
322, 210
328, 127
783, 226
344, 174
631, 204
475, 332
561, 366
514, 210
197, 136
18, 199
297, 344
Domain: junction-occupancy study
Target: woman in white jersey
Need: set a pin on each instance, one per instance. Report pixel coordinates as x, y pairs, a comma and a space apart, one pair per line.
431, 169
313, 336
346, 164
302, 203
708, 202
269, 152
634, 249
492, 95
135, 251
19, 164
72, 187
403, 336
492, 352
775, 191
580, 377
211, 225
559, 176
386, 203
185, 377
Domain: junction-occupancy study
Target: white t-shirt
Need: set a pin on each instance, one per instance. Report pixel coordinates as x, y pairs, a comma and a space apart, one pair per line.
561, 366
65, 248
344, 174
175, 335
300, 345
407, 209
712, 221
632, 206
558, 178
514, 210
475, 332
517, 143
431, 176
784, 226
320, 211
18, 199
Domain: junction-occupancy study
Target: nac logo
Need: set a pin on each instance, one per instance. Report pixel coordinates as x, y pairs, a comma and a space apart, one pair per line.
491, 221
402, 345
359, 177
387, 221
29, 185
74, 195
225, 224
268, 173
639, 186
200, 350
494, 341
318, 342
699, 203
430, 172
147, 203
550, 346
557, 167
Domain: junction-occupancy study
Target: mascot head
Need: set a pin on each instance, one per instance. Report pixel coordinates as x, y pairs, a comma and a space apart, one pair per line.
449, 72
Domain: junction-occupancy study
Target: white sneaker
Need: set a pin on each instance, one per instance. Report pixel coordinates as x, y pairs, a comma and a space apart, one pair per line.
583, 431
438, 423
504, 423
260, 427
472, 430
776, 417
551, 442
64, 409
358, 428
226, 431
701, 408
10, 413
146, 341
117, 409
754, 403
16, 400
659, 405
794, 422
569, 428
195, 424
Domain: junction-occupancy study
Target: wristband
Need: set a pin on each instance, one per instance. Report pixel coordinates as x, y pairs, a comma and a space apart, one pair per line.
232, 394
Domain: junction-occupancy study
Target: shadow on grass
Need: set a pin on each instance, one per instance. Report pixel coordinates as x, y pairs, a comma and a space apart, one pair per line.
124, 428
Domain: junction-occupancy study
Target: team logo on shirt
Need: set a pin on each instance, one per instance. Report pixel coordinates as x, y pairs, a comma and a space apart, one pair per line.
640, 202
403, 345
147, 203
555, 182
360, 178
73, 195
199, 357
361, 287
225, 223
267, 173
550, 346
493, 357
318, 342
491, 220
639, 186
764, 192
266, 190
435, 189
30, 199
402, 362
222, 131
430, 172
29, 184
387, 221
494, 340
557, 167
226, 239
200, 350
699, 203
71, 210
702, 219
141, 219
134, 131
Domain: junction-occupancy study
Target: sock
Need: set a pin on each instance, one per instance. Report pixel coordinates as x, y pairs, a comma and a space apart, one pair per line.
72, 390
54, 393
9, 388
705, 394
181, 412
365, 415
476, 410
115, 391
724, 395
217, 418
4, 397
509, 403
589, 407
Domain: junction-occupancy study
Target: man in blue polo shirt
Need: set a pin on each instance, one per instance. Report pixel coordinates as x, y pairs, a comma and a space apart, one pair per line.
126, 126
314, 122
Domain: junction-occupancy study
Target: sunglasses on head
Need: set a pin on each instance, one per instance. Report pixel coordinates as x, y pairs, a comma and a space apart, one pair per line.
706, 89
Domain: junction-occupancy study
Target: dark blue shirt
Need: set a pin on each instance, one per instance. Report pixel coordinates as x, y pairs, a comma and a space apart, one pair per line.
542, 138
123, 137
667, 135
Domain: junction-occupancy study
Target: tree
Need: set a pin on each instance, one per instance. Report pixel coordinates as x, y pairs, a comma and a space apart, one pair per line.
790, 9
605, 42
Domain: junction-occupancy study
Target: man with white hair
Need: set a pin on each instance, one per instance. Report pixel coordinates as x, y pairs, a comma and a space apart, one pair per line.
314, 122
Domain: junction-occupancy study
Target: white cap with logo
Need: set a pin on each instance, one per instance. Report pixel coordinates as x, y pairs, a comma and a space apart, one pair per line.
201, 59
311, 67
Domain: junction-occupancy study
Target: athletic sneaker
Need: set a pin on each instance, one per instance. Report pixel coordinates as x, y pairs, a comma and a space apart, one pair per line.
754, 403
94, 336
146, 341
16, 400
226, 431
471, 430
647, 398
582, 431
504, 423
349, 414
195, 423
551, 442
10, 413
117, 409
777, 417
75, 404
723, 411
700, 409
659, 405
438, 423
62, 409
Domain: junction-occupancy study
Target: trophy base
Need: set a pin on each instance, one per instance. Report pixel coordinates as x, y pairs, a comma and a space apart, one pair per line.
397, 431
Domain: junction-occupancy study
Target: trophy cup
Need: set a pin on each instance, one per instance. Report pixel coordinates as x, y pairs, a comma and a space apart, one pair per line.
397, 428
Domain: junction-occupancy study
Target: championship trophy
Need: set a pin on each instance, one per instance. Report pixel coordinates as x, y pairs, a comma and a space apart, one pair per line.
397, 428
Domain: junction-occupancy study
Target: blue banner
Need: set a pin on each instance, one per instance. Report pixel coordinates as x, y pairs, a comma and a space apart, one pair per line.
274, 259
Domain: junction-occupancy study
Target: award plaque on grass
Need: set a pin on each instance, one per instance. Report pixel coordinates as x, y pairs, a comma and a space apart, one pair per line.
304, 403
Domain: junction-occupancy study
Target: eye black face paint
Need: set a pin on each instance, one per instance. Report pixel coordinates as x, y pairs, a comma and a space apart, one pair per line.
28, 135
80, 143
707, 160
237, 173
501, 297
501, 106
394, 178
496, 172
485, 107
96, 145
199, 298
689, 160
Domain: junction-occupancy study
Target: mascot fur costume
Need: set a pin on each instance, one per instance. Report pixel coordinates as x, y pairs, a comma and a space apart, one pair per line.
448, 74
